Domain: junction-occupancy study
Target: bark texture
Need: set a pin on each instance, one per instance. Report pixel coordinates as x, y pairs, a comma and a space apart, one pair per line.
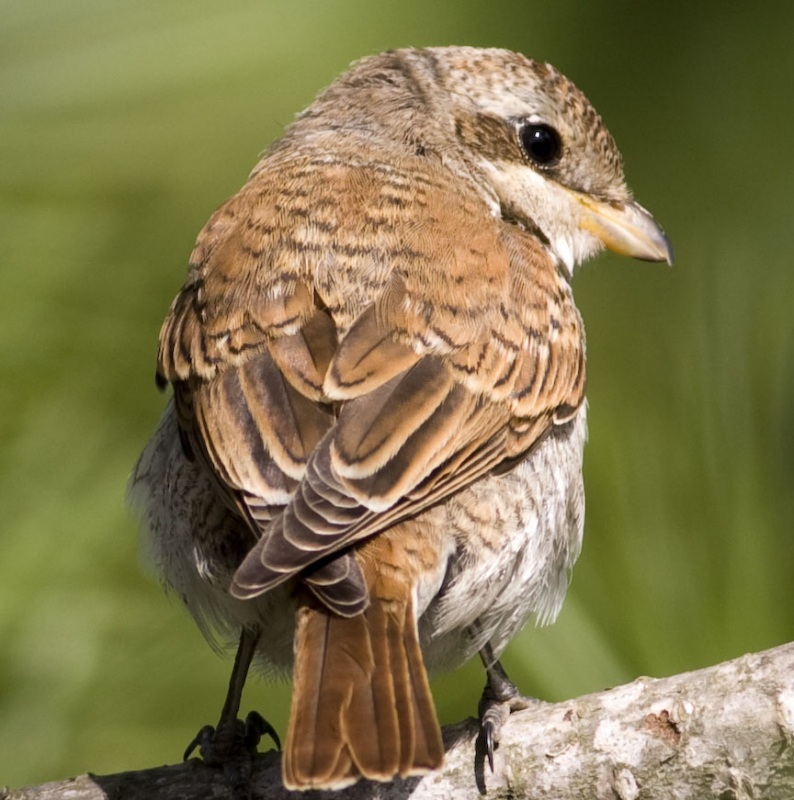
725, 732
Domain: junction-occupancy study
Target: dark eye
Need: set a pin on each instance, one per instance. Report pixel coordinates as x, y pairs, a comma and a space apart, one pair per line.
541, 143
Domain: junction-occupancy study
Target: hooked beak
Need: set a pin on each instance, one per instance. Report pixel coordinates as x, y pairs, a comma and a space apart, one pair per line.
625, 228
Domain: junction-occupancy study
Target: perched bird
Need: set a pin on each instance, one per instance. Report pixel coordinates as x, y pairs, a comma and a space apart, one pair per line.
372, 462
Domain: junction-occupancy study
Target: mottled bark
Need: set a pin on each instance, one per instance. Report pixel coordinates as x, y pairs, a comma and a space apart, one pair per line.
725, 732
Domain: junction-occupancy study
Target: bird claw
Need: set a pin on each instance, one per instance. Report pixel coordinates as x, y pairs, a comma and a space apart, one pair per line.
494, 712
500, 698
202, 740
218, 746
256, 726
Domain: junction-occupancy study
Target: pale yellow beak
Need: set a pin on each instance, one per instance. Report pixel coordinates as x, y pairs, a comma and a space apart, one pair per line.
625, 228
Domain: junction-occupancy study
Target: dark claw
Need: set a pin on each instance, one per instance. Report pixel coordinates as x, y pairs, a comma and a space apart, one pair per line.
499, 698
226, 743
200, 740
487, 730
493, 713
256, 726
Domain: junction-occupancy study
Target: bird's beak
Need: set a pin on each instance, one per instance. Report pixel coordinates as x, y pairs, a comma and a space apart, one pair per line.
625, 228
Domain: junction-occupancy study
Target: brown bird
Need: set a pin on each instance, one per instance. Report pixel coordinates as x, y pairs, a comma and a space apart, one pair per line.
371, 465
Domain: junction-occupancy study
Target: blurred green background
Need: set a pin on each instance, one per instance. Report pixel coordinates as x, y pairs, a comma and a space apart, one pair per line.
124, 124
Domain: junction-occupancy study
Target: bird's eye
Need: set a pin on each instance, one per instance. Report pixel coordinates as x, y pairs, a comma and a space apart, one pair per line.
541, 143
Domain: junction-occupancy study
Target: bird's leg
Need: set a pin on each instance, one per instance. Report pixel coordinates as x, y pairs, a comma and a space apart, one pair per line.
499, 698
232, 737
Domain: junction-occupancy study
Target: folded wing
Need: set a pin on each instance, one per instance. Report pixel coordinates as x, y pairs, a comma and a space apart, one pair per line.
462, 358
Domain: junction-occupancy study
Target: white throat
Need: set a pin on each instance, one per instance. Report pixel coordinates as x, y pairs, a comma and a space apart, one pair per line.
527, 195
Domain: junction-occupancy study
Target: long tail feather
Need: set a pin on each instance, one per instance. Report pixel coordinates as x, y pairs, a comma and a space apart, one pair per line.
361, 704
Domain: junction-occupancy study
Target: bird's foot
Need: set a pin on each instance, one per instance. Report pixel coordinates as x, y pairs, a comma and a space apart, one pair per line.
231, 740
233, 747
500, 698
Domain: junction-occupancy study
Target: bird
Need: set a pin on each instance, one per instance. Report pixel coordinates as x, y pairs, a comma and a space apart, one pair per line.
370, 465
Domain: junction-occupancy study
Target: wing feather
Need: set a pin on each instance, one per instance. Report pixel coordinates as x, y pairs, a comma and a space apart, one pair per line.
336, 389
409, 440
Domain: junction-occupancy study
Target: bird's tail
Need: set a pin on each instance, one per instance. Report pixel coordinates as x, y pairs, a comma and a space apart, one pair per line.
361, 703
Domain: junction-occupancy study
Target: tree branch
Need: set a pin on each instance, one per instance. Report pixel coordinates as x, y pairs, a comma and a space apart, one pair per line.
725, 732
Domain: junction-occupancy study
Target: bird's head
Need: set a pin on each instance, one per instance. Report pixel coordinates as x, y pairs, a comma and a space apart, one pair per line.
535, 147
539, 150
544, 152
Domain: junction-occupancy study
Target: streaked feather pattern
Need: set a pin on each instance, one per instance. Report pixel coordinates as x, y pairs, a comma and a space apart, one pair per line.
415, 400
379, 374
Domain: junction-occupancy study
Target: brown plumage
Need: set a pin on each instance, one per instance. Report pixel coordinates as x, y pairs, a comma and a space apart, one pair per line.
379, 377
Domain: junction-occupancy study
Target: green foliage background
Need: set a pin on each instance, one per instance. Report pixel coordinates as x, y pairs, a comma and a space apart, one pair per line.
123, 124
